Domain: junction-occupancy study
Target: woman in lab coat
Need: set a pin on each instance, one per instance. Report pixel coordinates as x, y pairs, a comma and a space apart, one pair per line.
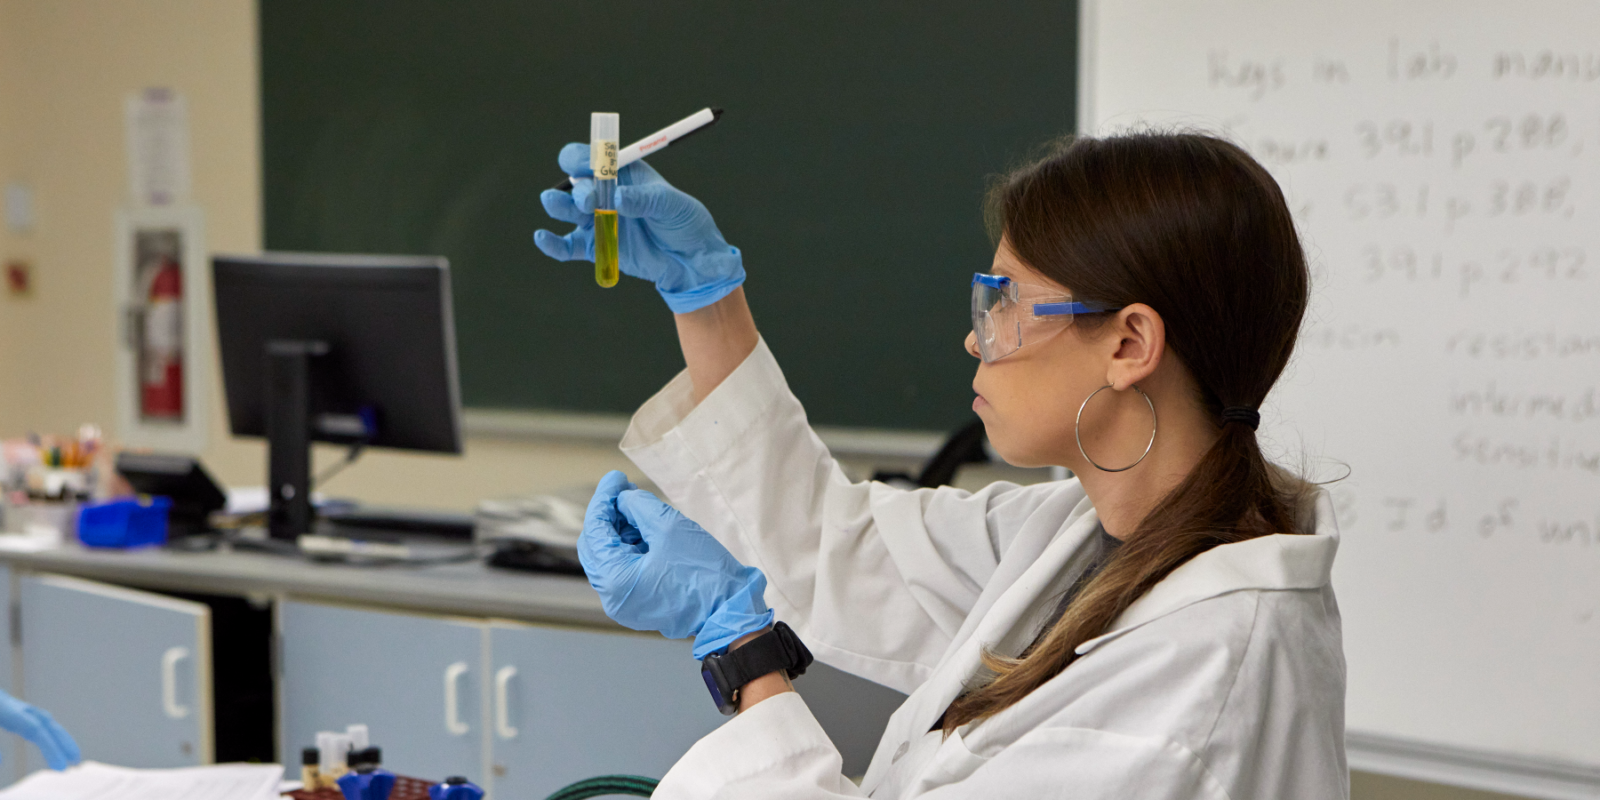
1160, 626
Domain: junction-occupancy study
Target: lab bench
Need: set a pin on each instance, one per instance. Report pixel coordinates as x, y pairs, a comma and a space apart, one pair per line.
515, 678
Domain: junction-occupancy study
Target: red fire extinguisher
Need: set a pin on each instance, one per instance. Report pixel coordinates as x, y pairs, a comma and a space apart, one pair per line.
161, 378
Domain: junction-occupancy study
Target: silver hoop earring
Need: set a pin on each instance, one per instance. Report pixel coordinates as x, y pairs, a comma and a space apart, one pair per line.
1079, 421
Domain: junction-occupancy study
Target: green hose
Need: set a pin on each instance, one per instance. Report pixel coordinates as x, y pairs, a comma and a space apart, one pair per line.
626, 785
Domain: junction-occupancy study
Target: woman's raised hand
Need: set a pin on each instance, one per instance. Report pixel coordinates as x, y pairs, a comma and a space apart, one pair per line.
666, 236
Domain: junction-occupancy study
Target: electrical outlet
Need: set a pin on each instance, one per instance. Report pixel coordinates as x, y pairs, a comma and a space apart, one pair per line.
19, 207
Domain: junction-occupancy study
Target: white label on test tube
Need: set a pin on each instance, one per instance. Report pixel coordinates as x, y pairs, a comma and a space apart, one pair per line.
603, 130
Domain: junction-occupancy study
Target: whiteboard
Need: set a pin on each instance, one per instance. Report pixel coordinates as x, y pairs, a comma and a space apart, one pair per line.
1443, 163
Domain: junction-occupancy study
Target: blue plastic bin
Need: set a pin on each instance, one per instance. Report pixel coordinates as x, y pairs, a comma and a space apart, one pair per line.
124, 523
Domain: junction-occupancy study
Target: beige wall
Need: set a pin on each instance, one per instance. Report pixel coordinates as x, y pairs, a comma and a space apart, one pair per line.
65, 66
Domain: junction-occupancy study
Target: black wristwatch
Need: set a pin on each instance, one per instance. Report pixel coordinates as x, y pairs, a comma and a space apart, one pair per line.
727, 673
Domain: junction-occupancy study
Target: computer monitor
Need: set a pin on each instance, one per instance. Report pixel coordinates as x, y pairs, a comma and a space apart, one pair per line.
352, 349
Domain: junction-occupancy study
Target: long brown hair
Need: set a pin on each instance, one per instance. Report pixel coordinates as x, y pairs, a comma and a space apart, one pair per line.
1193, 227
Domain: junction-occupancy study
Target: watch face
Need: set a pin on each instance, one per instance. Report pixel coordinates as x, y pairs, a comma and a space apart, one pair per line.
723, 705
711, 684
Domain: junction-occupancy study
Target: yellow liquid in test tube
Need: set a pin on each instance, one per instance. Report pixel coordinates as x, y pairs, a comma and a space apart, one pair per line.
605, 248
603, 130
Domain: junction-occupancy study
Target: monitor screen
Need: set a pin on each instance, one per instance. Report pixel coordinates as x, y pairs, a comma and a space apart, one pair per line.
388, 377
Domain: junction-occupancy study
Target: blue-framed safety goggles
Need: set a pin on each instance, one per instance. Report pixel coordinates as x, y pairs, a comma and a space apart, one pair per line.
1007, 314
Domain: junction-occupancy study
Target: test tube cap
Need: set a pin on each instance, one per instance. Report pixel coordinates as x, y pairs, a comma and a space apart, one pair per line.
367, 755
335, 749
604, 125
310, 755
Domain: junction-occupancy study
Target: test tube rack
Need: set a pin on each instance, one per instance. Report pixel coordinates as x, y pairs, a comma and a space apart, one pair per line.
404, 789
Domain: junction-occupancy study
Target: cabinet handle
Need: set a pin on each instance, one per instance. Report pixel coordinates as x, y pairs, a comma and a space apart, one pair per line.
452, 706
169, 682
502, 712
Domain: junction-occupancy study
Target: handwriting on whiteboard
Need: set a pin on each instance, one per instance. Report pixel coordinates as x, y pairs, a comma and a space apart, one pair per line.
1257, 78
1492, 517
1442, 163
1487, 209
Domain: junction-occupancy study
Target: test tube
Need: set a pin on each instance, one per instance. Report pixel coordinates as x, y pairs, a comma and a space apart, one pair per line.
603, 131
334, 754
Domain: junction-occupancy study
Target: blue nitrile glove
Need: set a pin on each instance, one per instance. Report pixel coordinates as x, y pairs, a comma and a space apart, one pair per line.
37, 726
665, 236
656, 570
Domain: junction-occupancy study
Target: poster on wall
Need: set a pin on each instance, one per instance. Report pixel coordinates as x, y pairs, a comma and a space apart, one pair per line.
157, 128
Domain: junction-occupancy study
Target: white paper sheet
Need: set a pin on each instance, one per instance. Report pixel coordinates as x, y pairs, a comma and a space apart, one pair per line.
158, 148
95, 781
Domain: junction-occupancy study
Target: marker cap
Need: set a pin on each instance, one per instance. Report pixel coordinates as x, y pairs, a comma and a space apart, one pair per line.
604, 126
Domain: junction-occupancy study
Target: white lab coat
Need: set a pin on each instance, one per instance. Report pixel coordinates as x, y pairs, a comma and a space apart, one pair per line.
1225, 681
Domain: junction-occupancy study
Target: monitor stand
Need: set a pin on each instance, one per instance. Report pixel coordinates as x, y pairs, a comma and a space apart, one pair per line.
289, 436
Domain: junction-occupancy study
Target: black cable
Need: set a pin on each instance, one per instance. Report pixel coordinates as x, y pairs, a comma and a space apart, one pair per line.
626, 785
274, 546
350, 457
965, 446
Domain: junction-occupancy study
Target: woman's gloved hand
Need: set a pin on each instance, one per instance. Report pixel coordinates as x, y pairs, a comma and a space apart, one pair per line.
37, 726
665, 236
656, 570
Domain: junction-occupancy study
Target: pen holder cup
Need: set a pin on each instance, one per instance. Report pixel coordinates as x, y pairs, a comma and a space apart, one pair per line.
124, 523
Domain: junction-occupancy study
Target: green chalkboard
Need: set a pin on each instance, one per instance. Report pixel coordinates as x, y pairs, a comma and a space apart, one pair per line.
850, 168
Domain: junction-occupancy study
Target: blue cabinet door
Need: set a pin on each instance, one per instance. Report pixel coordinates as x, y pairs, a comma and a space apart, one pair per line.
10, 744
415, 681
127, 673
571, 704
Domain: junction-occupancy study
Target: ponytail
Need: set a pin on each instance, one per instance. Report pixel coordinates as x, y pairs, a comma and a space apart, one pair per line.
1230, 496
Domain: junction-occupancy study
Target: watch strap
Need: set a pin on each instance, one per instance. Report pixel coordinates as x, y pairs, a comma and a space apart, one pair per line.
777, 649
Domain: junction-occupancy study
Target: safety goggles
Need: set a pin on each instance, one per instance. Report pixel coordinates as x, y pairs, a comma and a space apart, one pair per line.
1007, 315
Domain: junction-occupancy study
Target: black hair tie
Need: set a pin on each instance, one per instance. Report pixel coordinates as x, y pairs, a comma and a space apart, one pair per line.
1248, 416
